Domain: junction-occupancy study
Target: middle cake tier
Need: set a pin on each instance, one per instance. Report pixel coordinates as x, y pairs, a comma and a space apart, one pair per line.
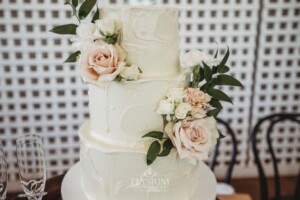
121, 113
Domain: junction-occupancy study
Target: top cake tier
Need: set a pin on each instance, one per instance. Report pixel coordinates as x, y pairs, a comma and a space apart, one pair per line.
150, 37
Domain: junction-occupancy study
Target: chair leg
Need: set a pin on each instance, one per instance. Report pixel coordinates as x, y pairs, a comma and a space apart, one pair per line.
297, 189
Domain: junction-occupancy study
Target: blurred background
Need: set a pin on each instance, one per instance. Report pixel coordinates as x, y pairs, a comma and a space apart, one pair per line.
41, 95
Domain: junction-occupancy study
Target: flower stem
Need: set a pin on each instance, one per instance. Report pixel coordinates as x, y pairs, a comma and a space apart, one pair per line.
77, 18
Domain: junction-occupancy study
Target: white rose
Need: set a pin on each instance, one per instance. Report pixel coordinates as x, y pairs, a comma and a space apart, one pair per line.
88, 31
198, 112
212, 123
165, 107
108, 26
182, 110
176, 94
193, 139
196, 57
85, 32
130, 72
209, 60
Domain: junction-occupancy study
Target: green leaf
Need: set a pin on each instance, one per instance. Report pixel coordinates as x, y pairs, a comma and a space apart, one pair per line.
213, 112
215, 103
112, 39
140, 70
72, 57
153, 152
198, 75
75, 3
221, 136
219, 95
155, 134
167, 147
86, 8
69, 29
210, 84
96, 15
223, 69
213, 82
204, 87
214, 69
73, 8
207, 72
224, 79
225, 58
216, 54
118, 78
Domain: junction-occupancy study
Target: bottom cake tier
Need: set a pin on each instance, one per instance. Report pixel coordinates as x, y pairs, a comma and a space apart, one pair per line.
110, 172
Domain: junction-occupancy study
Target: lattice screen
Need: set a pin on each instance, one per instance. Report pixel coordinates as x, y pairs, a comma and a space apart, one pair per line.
38, 93
41, 95
277, 87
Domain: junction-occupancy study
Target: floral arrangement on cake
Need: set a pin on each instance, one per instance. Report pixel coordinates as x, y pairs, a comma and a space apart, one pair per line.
100, 56
189, 113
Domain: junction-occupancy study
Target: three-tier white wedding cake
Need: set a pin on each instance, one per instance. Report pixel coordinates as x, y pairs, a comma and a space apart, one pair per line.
112, 149
151, 122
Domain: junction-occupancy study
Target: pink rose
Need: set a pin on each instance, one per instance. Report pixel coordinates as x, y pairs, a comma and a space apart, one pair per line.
197, 98
101, 61
193, 139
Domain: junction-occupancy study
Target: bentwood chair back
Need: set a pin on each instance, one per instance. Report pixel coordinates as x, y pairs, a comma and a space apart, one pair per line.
231, 134
273, 120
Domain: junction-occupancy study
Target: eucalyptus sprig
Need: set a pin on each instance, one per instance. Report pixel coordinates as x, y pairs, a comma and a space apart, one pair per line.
160, 147
80, 13
210, 77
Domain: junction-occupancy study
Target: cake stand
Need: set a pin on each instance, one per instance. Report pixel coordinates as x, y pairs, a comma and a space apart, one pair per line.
71, 187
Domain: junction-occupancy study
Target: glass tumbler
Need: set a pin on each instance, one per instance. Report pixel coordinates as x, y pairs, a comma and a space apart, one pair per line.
31, 164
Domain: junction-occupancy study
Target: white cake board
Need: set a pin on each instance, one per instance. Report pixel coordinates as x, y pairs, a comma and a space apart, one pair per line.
71, 185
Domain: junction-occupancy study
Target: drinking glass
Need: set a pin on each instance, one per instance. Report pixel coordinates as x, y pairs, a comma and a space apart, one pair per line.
32, 168
3, 173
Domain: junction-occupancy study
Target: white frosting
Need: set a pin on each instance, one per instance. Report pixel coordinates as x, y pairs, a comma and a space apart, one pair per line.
110, 172
150, 37
121, 113
113, 154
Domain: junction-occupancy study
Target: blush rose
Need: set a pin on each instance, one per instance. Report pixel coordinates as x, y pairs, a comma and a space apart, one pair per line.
197, 98
193, 139
101, 61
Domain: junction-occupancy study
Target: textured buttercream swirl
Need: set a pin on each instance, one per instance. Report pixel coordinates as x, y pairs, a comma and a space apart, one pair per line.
150, 37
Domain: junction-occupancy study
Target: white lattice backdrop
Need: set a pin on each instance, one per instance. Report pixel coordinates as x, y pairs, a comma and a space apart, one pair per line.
41, 95
38, 93
277, 87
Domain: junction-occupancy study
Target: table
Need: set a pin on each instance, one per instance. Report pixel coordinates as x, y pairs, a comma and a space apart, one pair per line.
234, 197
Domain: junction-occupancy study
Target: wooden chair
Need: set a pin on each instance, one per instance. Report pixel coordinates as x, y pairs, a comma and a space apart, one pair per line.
273, 120
231, 134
